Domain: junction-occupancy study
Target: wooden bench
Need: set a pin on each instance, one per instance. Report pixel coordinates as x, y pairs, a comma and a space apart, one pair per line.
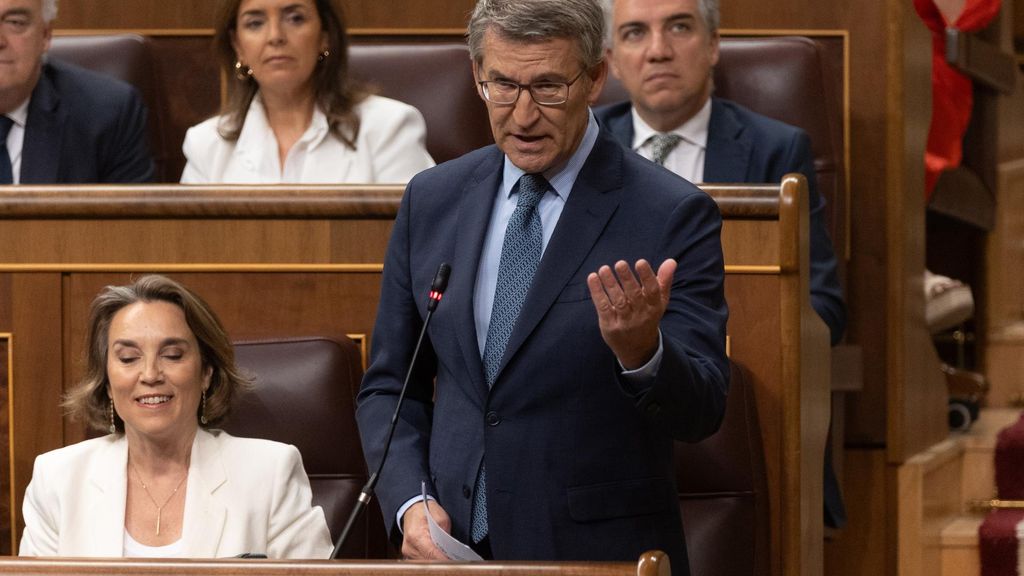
279, 260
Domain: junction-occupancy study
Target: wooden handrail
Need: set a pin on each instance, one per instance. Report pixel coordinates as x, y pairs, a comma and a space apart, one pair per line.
275, 201
653, 563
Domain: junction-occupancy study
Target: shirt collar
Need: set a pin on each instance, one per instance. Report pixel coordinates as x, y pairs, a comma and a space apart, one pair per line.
20, 113
694, 130
256, 120
560, 177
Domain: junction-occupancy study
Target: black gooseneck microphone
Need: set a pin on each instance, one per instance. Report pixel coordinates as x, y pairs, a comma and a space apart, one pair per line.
437, 288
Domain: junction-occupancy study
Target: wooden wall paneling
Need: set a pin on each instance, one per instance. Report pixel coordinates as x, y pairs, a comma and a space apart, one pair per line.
307, 260
156, 14
35, 323
137, 14
1004, 336
860, 548
929, 489
7, 501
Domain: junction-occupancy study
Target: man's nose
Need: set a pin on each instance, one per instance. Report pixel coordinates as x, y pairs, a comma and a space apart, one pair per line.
660, 48
525, 109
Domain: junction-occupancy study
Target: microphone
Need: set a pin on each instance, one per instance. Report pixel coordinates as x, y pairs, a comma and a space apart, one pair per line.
437, 288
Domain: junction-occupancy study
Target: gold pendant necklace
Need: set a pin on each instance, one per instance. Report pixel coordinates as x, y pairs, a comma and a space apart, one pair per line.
159, 507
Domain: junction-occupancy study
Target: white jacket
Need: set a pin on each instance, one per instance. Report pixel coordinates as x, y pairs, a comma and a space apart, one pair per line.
390, 149
244, 495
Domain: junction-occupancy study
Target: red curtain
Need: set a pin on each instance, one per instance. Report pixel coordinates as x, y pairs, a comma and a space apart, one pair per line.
951, 91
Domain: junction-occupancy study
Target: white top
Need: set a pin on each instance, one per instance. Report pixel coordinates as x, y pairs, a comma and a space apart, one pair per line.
244, 495
135, 549
16, 138
687, 158
390, 149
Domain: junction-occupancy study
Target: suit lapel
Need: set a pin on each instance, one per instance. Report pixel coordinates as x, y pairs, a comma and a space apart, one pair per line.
475, 207
594, 198
44, 132
204, 514
102, 531
621, 126
728, 153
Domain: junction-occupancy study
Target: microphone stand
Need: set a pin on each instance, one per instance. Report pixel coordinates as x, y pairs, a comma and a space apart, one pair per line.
437, 289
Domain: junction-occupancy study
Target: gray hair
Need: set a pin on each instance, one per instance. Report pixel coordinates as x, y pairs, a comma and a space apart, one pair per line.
539, 20
49, 10
708, 10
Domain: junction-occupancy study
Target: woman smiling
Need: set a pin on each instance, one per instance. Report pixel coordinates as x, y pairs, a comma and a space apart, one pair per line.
160, 373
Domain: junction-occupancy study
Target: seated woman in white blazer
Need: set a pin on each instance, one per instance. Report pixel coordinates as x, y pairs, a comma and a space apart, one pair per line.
160, 372
292, 114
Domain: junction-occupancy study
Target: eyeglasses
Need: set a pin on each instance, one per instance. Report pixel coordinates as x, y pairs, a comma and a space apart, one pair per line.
543, 93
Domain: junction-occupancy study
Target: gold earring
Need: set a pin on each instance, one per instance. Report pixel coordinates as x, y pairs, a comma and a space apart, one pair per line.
202, 417
242, 71
323, 55
113, 428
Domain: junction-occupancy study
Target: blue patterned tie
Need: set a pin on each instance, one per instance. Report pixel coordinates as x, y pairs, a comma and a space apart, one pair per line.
6, 174
520, 255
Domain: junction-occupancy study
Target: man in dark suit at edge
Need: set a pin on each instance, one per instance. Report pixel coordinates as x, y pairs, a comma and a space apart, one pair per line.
664, 53
542, 412
59, 123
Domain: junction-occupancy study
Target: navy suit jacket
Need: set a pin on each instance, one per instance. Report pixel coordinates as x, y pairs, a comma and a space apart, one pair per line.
84, 128
579, 462
744, 146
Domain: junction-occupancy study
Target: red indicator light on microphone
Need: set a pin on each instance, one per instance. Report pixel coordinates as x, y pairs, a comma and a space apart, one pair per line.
435, 295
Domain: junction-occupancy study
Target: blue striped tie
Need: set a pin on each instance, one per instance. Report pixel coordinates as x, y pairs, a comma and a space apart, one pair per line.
6, 174
520, 255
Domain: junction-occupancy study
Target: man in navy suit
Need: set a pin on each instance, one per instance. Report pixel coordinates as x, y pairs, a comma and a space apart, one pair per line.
664, 52
560, 446
60, 123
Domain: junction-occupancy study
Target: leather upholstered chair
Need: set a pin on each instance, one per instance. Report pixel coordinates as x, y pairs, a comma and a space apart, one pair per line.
304, 394
723, 491
789, 79
438, 80
127, 58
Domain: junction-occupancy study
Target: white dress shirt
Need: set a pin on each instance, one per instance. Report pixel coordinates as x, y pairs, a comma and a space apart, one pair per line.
686, 159
16, 138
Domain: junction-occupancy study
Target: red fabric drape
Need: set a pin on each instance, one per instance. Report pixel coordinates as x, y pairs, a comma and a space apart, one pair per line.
951, 91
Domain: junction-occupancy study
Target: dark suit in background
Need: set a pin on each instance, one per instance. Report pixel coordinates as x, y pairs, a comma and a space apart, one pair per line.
744, 146
83, 128
579, 462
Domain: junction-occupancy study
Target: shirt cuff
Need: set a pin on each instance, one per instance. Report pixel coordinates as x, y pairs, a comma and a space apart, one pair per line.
405, 507
638, 379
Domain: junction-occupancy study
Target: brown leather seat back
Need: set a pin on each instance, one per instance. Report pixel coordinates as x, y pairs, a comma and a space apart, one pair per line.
789, 79
723, 491
127, 58
304, 394
438, 80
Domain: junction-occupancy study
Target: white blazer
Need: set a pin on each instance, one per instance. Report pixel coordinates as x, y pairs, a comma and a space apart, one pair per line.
244, 495
390, 149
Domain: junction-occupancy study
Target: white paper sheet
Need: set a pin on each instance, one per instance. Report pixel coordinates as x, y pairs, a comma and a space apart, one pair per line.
451, 547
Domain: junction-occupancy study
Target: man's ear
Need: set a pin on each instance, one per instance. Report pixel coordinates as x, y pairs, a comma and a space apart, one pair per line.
476, 80
598, 76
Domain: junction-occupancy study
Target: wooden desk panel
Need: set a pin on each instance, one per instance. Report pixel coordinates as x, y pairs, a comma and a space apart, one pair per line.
273, 260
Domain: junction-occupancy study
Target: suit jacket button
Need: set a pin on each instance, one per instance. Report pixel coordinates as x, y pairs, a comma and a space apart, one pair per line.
465, 492
493, 419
